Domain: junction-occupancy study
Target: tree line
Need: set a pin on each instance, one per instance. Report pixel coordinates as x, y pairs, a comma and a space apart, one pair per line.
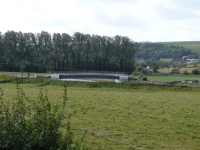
41, 52
155, 51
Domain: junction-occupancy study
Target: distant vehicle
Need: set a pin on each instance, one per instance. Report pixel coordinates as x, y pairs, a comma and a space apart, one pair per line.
191, 81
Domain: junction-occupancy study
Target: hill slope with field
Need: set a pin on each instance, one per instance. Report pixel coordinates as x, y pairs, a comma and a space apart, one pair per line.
155, 51
194, 46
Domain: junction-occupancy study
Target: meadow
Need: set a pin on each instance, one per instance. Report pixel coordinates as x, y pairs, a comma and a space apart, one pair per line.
169, 78
148, 117
172, 78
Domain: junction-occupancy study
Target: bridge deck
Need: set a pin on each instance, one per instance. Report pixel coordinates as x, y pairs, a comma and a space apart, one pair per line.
107, 73
88, 74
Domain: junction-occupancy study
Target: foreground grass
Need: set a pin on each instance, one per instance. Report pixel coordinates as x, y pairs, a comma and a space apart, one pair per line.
118, 118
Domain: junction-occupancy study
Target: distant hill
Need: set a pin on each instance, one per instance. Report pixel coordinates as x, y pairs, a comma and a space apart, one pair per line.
194, 46
156, 51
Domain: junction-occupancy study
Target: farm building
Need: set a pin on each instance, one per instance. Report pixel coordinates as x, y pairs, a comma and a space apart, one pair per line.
189, 61
191, 81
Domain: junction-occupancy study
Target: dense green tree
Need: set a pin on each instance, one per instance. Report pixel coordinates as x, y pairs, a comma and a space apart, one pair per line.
2, 57
163, 64
195, 71
10, 50
42, 52
66, 42
56, 53
155, 67
185, 72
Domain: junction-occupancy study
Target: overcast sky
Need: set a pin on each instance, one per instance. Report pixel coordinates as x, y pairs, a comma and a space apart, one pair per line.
140, 20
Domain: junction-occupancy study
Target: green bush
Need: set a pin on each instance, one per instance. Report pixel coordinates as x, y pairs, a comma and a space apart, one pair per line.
34, 124
6, 78
175, 71
195, 71
185, 72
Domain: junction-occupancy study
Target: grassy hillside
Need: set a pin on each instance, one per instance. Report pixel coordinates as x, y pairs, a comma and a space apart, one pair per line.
193, 45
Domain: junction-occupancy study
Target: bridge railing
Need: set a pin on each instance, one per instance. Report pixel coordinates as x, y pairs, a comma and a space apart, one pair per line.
87, 73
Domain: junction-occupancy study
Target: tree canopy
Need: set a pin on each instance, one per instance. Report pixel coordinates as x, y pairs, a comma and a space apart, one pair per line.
40, 52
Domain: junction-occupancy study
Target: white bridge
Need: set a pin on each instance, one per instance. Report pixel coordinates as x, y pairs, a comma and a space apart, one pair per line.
120, 76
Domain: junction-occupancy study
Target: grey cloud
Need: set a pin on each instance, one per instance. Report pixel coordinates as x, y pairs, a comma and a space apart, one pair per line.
119, 1
56, 24
106, 2
173, 14
183, 11
123, 20
186, 4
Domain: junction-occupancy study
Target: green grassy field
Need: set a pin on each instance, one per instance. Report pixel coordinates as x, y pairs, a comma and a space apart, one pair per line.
166, 59
169, 78
22, 74
192, 65
128, 118
193, 45
172, 78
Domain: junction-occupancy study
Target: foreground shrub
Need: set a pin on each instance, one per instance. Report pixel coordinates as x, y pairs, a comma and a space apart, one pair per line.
34, 124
